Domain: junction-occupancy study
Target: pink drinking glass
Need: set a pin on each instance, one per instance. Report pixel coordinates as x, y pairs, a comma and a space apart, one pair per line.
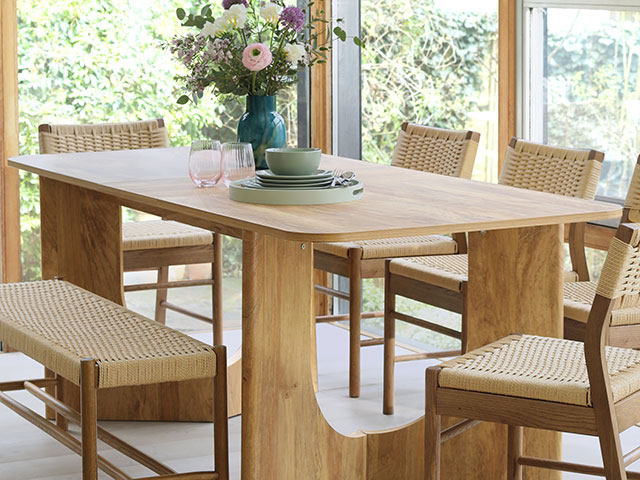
204, 162
237, 162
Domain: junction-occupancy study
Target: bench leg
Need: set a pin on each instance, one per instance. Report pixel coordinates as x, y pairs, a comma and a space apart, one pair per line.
49, 413
89, 417
61, 421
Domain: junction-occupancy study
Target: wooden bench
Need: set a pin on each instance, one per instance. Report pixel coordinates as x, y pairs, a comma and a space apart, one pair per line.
95, 344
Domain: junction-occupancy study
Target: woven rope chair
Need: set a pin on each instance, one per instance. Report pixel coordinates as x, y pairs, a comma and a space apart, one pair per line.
548, 383
579, 296
94, 344
155, 244
442, 280
434, 150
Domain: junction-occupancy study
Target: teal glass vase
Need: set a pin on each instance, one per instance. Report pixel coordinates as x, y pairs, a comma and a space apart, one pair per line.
262, 127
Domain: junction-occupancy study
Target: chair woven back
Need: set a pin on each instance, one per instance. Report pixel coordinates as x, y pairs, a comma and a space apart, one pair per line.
102, 137
620, 277
436, 150
632, 202
563, 171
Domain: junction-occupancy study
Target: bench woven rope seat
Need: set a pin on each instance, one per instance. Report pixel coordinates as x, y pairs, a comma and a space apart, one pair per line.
95, 343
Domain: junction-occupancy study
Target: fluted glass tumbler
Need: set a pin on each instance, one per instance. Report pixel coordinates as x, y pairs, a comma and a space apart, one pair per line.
237, 162
204, 162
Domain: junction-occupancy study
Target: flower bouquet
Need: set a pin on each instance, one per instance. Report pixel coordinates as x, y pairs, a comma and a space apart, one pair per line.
252, 49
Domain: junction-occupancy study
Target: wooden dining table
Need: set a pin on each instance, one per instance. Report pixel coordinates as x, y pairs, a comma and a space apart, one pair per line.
516, 261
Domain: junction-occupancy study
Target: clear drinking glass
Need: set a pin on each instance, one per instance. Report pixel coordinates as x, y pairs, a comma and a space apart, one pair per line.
237, 162
204, 162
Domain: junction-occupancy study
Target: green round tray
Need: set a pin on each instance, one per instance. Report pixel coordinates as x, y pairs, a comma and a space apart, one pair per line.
292, 196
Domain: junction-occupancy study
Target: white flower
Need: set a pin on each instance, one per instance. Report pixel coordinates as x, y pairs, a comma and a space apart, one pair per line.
271, 12
210, 29
236, 15
295, 52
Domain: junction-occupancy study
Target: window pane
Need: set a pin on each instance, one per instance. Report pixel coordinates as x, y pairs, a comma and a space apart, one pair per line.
433, 63
592, 87
90, 61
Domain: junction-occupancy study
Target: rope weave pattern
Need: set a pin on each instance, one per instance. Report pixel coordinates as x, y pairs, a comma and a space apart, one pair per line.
620, 275
58, 324
393, 247
154, 234
548, 169
632, 202
103, 137
578, 298
539, 368
446, 271
435, 150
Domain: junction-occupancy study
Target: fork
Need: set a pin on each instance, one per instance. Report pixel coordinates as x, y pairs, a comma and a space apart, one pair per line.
336, 174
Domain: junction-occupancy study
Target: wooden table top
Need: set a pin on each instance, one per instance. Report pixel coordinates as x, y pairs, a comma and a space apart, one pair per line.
397, 201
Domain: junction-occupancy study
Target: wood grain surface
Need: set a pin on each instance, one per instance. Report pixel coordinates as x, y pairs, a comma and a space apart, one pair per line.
397, 201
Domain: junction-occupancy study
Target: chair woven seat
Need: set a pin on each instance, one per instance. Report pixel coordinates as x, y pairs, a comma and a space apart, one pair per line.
539, 368
152, 234
59, 324
393, 247
445, 271
578, 298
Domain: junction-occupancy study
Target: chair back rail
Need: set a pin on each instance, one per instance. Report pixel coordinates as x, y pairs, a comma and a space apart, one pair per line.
436, 150
103, 136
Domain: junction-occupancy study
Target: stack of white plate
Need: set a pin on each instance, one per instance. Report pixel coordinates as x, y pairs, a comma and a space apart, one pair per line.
267, 179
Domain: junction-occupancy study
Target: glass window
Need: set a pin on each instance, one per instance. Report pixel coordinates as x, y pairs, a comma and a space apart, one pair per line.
585, 86
433, 63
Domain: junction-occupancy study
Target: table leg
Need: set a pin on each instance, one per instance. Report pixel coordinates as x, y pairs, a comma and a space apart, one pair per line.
82, 242
515, 286
284, 434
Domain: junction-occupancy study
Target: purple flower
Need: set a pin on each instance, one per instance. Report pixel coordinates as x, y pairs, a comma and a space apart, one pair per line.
293, 18
226, 4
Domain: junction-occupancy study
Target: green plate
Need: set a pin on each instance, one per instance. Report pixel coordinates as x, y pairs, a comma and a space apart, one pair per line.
294, 196
268, 174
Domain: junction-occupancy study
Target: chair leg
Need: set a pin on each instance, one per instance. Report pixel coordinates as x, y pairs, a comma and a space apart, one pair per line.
611, 450
89, 416
161, 296
463, 324
514, 452
389, 345
220, 415
216, 275
355, 313
432, 427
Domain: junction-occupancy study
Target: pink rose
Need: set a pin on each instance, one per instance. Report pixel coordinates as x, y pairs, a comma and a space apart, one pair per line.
256, 57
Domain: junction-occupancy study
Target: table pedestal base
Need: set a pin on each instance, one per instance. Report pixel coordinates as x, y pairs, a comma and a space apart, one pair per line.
515, 285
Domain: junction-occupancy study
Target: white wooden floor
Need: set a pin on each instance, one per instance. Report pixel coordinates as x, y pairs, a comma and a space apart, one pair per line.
26, 453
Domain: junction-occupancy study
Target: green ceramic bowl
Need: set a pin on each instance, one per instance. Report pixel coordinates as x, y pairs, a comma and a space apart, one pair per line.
293, 161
